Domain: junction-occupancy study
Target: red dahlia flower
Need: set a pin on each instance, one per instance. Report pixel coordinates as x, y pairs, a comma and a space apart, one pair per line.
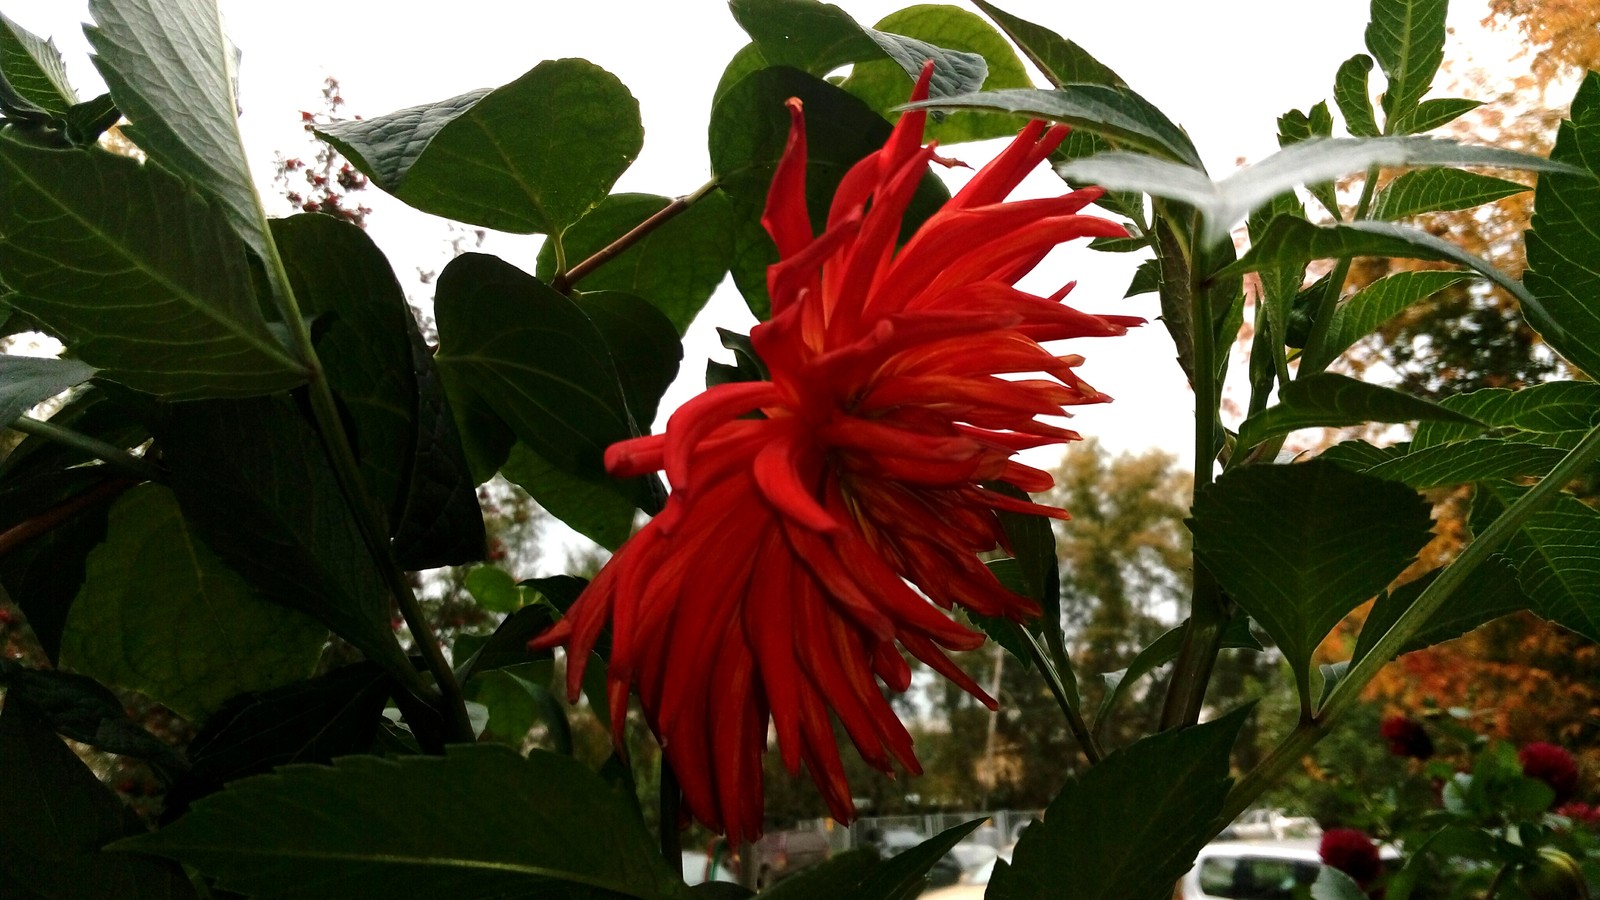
774, 585
1351, 852
1406, 737
1551, 765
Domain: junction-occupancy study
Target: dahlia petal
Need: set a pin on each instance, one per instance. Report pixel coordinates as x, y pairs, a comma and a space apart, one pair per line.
924, 649
786, 217
778, 473
696, 419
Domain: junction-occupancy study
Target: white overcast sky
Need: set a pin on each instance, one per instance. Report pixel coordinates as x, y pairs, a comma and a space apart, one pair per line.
1223, 69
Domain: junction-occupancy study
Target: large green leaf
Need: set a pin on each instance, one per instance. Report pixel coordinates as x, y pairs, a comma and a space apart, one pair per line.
1458, 462
832, 878
43, 574
1407, 38
675, 267
1114, 113
1491, 591
1299, 546
1436, 190
1289, 239
383, 375
643, 344
160, 614
481, 822
27, 381
1128, 828
142, 276
1351, 94
905, 875
254, 483
1556, 554
530, 157
311, 721
590, 508
172, 72
33, 68
1062, 61
1224, 203
58, 815
534, 358
1331, 400
1563, 249
82, 709
1372, 306
982, 61
1430, 114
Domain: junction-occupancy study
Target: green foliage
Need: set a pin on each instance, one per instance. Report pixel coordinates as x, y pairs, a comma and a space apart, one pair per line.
1435, 190
32, 67
1561, 247
26, 382
1407, 39
1330, 400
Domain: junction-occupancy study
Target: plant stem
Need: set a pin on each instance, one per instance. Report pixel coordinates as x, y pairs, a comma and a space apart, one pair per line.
1312, 359
1348, 691
565, 281
115, 457
671, 798
44, 522
1495, 882
1058, 689
369, 519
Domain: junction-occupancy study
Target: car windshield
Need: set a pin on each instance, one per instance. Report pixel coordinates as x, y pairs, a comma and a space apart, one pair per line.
1255, 877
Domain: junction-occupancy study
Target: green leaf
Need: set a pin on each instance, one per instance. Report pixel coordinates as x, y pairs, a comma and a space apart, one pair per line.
1158, 653
42, 575
1224, 203
34, 69
81, 709
904, 876
255, 485
1372, 306
1430, 114
27, 381
480, 822
1128, 828
833, 878
1010, 635
1289, 239
538, 363
311, 721
532, 156
1299, 546
1146, 279
644, 347
1280, 285
1115, 113
1407, 38
1436, 190
1459, 462
675, 267
494, 589
1562, 247
87, 121
1294, 127
384, 377
173, 311
1331, 400
1351, 94
160, 614
1062, 61
592, 509
1491, 591
1541, 412
508, 646
58, 815
1556, 554
516, 703
961, 43
172, 72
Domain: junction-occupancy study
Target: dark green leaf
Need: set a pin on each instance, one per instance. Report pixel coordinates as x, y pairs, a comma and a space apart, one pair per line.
89, 411
1542, 412
1491, 591
1295, 126
1114, 113
494, 589
1556, 554
480, 822
58, 815
720, 890
1128, 828
43, 574
1331, 400
173, 313
1351, 94
1290, 239
87, 121
508, 646
1562, 247
160, 614
1372, 306
181, 104
675, 267
84, 710
1430, 114
904, 876
969, 55
1407, 38
592, 509
313, 721
807, 35
1223, 203
254, 484
1280, 285
27, 381
834, 878
1299, 546
532, 156
1146, 279
1460, 462
518, 697
643, 344
1158, 653
1061, 61
1010, 635
1435, 190
33, 68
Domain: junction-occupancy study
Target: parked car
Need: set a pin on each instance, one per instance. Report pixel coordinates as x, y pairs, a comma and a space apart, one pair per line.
1256, 870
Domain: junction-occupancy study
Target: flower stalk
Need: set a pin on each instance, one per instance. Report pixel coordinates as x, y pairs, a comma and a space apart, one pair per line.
567, 280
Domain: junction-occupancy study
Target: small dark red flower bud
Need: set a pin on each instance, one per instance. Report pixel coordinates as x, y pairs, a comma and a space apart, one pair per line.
1351, 852
1551, 765
1406, 737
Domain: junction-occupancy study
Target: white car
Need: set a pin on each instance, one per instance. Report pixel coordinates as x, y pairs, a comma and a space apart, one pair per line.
1256, 870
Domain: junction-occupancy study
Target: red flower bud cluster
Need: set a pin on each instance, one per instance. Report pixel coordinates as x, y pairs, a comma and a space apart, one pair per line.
1551, 765
1580, 813
1406, 737
1351, 852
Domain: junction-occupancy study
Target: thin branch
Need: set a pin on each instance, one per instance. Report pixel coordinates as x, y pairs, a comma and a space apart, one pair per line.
116, 457
50, 519
565, 281
1058, 689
